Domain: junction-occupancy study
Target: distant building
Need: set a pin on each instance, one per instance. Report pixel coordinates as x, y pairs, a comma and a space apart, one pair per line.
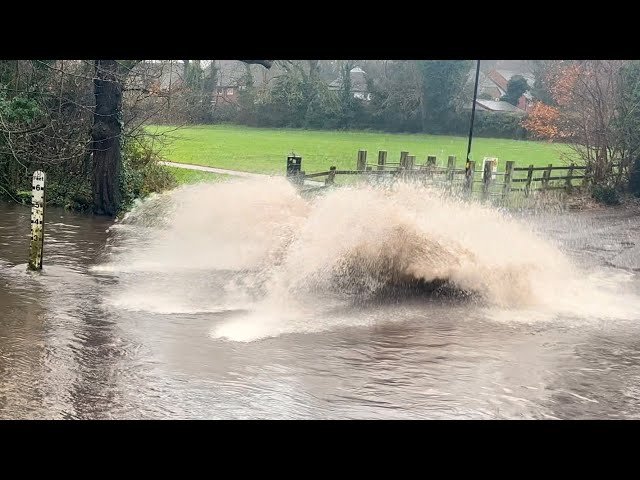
231, 78
486, 86
494, 83
358, 84
501, 78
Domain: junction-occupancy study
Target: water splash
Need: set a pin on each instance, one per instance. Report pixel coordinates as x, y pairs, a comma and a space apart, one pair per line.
302, 264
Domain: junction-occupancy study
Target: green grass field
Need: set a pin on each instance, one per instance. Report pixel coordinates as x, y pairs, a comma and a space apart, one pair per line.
184, 176
265, 150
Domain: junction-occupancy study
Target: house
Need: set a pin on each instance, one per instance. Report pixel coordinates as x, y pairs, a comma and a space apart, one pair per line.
493, 85
501, 78
231, 78
358, 84
486, 86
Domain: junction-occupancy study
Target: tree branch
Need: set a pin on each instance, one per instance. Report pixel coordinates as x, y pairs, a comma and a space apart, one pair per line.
264, 63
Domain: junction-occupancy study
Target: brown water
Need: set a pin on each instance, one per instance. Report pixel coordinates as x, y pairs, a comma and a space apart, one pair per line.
243, 300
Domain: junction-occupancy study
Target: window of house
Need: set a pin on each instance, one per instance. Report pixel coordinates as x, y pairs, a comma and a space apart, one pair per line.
220, 91
230, 91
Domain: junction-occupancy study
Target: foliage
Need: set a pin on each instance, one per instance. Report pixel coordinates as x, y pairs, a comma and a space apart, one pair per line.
543, 122
298, 99
395, 99
516, 87
595, 110
500, 125
141, 172
605, 194
46, 118
443, 83
542, 70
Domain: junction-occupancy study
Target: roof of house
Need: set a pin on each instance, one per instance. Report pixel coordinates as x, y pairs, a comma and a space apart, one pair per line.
485, 84
499, 106
358, 81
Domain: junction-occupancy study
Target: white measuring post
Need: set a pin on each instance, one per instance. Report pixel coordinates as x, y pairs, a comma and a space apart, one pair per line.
37, 221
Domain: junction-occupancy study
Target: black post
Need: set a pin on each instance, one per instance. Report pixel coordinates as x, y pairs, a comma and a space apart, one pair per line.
473, 114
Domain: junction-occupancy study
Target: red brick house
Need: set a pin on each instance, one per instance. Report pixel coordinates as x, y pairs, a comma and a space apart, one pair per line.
501, 79
230, 80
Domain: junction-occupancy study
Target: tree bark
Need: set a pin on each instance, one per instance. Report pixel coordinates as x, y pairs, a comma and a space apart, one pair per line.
106, 135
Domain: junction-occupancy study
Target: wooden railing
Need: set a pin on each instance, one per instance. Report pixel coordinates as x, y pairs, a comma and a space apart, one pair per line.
490, 181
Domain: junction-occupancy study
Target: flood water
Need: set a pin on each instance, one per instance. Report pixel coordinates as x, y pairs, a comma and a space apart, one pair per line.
139, 322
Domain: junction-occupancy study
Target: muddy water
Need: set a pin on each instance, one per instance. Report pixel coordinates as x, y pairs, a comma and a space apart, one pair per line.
144, 322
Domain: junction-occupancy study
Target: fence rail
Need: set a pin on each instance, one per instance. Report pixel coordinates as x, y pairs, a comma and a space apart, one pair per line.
494, 183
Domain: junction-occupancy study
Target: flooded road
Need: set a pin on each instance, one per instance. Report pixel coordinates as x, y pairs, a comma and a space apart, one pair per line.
101, 333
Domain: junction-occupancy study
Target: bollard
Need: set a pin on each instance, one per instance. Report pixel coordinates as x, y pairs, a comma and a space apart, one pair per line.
36, 248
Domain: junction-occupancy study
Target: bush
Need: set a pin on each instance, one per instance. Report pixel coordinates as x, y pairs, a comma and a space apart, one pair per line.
500, 125
605, 194
141, 173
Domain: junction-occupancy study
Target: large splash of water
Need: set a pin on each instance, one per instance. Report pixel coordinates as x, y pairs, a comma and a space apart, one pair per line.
258, 245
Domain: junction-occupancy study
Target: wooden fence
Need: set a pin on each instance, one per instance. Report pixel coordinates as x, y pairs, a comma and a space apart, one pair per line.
470, 180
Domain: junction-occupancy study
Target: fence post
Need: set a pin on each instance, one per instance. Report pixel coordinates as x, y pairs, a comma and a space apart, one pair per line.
469, 174
451, 165
330, 180
38, 199
362, 160
403, 159
568, 184
486, 180
545, 177
508, 175
382, 159
410, 162
431, 163
527, 187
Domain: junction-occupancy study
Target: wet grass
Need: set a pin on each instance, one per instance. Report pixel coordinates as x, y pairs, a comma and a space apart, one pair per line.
265, 150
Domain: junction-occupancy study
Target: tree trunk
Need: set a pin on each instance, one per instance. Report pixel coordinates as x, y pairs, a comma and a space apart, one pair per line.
107, 135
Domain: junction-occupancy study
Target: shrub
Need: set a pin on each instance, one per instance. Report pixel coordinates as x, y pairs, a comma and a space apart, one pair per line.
141, 173
605, 194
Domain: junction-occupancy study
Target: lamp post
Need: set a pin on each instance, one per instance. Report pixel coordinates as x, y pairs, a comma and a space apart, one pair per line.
473, 114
